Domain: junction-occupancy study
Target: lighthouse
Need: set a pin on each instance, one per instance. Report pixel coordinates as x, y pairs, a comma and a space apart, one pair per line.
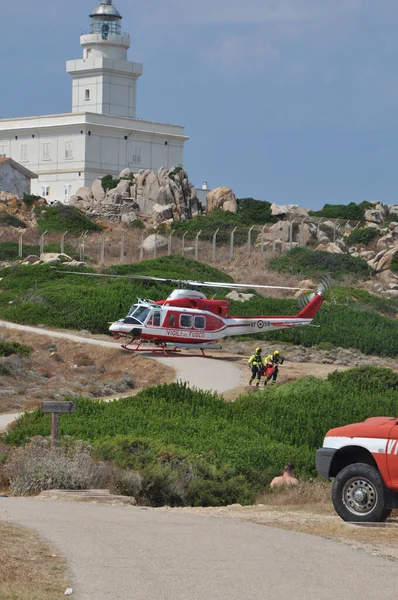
104, 81
102, 134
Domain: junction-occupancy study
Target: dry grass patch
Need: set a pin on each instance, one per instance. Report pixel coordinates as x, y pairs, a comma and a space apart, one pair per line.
30, 569
60, 367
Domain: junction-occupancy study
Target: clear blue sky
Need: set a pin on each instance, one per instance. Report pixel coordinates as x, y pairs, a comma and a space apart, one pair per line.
290, 101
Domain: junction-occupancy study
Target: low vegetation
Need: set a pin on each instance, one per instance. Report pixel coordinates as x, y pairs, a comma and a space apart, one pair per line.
6, 219
250, 212
61, 217
192, 448
351, 211
317, 263
41, 294
9, 348
10, 250
362, 236
109, 182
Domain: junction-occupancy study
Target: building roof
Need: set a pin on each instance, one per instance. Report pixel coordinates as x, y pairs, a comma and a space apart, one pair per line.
19, 167
106, 8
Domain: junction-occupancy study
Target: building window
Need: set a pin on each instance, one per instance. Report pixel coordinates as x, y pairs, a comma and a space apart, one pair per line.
46, 151
24, 153
136, 155
68, 150
2, 151
67, 189
186, 321
45, 191
87, 94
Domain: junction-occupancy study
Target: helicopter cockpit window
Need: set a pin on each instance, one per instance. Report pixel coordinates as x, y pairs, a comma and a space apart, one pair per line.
156, 319
185, 321
172, 320
199, 322
138, 313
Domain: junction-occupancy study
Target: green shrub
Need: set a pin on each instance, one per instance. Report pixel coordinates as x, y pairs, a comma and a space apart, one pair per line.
254, 212
61, 217
317, 263
362, 236
191, 447
351, 211
4, 372
30, 199
109, 183
9, 348
394, 262
11, 220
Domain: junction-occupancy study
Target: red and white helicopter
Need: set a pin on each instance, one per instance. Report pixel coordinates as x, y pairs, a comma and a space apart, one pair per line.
187, 319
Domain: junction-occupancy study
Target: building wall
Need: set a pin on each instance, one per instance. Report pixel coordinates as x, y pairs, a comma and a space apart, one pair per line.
12, 180
70, 151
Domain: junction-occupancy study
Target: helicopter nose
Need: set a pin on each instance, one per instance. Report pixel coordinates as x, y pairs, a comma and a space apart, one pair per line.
123, 328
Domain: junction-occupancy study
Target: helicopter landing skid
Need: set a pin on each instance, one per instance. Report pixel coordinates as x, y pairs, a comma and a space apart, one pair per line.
168, 351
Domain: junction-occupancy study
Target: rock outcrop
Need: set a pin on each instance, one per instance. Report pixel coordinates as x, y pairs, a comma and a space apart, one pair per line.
162, 195
221, 197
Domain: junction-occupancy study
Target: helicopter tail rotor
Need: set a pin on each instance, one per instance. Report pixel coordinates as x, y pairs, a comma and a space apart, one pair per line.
323, 286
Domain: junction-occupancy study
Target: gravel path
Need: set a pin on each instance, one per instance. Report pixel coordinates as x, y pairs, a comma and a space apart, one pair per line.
148, 554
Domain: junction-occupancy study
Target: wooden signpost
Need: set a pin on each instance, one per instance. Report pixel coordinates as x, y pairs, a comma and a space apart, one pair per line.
56, 408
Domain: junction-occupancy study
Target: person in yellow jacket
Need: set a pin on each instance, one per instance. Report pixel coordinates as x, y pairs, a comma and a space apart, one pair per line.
271, 369
256, 363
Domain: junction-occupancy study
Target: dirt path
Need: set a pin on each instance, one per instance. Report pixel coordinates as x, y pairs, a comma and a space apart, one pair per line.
124, 552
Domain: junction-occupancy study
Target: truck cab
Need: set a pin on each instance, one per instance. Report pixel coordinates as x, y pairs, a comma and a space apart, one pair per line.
362, 460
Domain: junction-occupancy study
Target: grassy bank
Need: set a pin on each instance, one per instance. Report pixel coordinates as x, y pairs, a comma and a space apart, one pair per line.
190, 447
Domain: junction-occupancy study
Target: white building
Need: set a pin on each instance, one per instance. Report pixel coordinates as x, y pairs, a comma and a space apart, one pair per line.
102, 134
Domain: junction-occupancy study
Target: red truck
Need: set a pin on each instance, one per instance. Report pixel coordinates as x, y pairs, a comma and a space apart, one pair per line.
362, 459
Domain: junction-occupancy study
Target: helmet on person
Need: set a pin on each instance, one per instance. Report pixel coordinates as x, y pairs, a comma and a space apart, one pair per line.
276, 352
258, 350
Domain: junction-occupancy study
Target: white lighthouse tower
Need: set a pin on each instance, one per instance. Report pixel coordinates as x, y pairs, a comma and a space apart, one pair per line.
102, 134
104, 81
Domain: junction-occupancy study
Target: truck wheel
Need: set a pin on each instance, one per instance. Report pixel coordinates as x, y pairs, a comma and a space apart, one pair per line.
358, 494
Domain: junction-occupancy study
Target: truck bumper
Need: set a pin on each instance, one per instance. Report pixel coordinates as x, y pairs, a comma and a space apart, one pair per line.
324, 457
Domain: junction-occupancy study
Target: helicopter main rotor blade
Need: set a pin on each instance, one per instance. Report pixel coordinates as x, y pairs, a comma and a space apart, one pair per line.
211, 284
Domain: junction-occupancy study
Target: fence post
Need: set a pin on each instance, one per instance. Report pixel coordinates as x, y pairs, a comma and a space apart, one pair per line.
63, 242
249, 240
291, 234
102, 258
283, 236
318, 227
142, 246
183, 244
155, 245
122, 247
262, 239
214, 244
42, 237
20, 244
169, 244
81, 245
197, 245
231, 251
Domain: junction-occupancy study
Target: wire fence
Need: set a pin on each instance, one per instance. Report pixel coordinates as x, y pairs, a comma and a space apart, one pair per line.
133, 245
